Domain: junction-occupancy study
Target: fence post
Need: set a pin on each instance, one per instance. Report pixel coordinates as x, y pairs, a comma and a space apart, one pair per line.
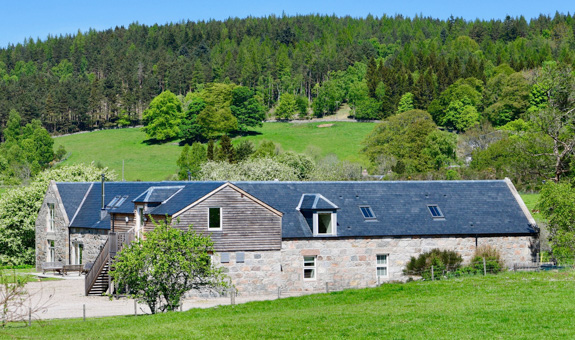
484, 267
84, 312
378, 284
327, 287
432, 276
135, 307
232, 297
29, 317
279, 292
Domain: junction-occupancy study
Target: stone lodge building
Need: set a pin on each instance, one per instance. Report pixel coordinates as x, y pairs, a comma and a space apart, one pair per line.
295, 235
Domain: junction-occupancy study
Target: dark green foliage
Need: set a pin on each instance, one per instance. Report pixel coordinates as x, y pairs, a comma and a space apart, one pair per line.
226, 150
190, 160
210, 151
246, 108
493, 262
244, 150
79, 82
443, 261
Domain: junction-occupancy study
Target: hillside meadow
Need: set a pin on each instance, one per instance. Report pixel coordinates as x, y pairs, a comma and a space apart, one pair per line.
509, 305
156, 162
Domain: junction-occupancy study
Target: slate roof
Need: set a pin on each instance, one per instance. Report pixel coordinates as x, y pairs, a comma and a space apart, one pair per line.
157, 194
316, 202
400, 207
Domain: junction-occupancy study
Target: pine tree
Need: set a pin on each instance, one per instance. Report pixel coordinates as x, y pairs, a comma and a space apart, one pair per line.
210, 153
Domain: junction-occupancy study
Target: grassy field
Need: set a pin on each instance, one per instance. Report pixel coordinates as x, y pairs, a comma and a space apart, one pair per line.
517, 306
531, 201
158, 161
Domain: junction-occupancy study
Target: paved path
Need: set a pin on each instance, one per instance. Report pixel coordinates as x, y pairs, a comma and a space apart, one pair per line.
65, 299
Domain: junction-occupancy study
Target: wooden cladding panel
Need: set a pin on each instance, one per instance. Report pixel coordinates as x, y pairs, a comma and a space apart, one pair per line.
120, 224
246, 225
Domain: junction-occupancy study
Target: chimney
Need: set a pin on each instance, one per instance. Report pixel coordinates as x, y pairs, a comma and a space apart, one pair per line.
103, 209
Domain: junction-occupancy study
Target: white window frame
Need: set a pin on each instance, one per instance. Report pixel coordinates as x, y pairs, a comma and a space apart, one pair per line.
316, 224
381, 266
221, 218
51, 218
77, 255
51, 253
313, 267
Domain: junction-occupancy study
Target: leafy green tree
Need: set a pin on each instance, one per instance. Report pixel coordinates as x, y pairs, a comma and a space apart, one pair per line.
215, 123
19, 209
469, 92
403, 138
246, 108
190, 160
557, 205
287, 107
244, 149
189, 128
440, 148
461, 115
161, 268
302, 104
556, 120
266, 149
302, 164
506, 98
405, 103
163, 117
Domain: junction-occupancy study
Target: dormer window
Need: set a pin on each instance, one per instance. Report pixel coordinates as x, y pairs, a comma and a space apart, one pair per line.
435, 212
324, 223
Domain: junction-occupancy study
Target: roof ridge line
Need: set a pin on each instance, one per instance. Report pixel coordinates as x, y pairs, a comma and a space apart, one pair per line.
82, 203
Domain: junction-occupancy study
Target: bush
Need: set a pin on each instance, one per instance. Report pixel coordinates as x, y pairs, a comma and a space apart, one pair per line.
443, 261
493, 262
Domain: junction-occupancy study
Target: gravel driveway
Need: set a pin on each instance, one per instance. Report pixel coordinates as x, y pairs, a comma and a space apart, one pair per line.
66, 299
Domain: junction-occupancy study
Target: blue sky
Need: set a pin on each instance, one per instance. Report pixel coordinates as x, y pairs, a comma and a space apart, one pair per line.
38, 18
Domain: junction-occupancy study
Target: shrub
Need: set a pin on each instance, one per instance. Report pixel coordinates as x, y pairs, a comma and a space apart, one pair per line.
493, 262
443, 261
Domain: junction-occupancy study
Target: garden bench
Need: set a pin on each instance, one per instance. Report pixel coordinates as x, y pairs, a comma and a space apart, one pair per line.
53, 266
73, 268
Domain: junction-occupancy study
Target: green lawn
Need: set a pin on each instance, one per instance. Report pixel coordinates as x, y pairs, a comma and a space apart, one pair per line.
158, 162
507, 306
531, 201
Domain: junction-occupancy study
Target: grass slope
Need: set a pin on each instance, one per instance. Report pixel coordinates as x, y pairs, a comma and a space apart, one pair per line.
157, 162
522, 305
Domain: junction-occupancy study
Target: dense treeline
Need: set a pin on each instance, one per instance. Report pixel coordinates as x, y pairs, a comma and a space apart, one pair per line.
99, 79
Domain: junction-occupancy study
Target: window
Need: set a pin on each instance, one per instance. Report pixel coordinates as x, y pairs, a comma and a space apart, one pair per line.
367, 213
309, 267
381, 266
78, 253
324, 223
240, 257
51, 256
50, 216
435, 212
215, 218
225, 257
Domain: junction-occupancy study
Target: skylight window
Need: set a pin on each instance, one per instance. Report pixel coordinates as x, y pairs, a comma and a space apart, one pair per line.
435, 212
117, 201
367, 212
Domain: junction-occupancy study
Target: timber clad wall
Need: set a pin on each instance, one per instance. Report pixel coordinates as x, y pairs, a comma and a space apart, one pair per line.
246, 225
120, 224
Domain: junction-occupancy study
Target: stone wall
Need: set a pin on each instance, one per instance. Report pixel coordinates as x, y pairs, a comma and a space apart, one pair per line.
260, 273
92, 239
351, 263
60, 233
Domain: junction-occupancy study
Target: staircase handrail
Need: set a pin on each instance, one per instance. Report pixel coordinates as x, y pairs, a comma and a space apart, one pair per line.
99, 264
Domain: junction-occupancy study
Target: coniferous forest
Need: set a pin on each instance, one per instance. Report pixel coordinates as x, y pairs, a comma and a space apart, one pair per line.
99, 79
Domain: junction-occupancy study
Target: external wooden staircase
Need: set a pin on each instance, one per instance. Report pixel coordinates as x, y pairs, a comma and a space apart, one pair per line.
98, 281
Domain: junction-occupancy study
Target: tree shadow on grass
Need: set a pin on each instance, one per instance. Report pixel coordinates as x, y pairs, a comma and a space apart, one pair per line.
244, 133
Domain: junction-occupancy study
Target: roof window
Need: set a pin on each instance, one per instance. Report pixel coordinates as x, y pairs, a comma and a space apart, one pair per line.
367, 212
435, 211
